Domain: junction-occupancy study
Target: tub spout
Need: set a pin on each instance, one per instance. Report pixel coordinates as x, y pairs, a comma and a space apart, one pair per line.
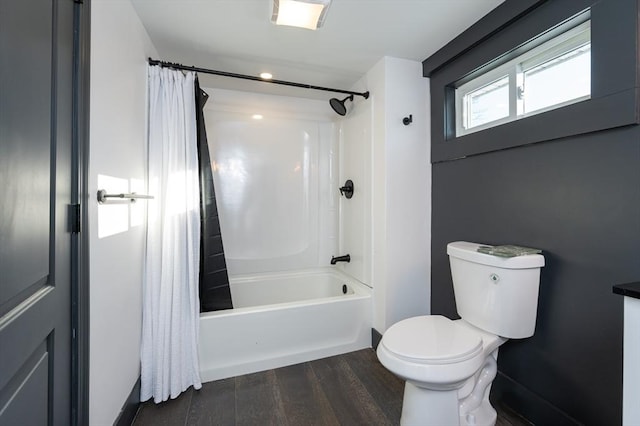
345, 258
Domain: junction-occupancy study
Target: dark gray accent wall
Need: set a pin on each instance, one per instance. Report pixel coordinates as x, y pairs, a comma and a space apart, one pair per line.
579, 201
575, 194
375, 338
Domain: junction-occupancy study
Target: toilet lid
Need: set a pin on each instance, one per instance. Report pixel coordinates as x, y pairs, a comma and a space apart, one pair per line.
431, 339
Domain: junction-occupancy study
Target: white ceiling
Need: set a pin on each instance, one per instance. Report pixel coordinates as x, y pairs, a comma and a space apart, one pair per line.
238, 36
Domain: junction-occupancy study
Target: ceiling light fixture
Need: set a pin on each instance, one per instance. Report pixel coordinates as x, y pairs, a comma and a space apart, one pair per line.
266, 75
300, 13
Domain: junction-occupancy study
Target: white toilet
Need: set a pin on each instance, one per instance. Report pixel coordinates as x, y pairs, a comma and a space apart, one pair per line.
449, 365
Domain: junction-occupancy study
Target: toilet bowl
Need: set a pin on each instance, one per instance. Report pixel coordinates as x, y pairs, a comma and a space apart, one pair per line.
442, 369
449, 365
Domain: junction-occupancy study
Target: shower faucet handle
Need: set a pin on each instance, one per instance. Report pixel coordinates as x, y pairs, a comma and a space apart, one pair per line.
347, 189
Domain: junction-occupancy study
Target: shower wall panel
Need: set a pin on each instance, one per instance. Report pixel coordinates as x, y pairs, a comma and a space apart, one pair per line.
355, 227
273, 180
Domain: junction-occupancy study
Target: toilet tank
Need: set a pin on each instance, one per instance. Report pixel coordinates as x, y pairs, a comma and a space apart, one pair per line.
496, 294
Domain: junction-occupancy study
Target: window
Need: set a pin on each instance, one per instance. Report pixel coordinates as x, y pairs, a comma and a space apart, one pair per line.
551, 75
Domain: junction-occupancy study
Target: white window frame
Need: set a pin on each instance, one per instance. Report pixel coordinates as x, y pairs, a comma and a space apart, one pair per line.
569, 40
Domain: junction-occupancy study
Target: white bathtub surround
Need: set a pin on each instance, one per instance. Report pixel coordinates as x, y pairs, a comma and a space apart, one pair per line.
282, 319
277, 195
275, 180
170, 312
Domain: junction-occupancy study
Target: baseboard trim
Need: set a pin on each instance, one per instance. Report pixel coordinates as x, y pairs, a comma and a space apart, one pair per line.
375, 338
527, 404
130, 407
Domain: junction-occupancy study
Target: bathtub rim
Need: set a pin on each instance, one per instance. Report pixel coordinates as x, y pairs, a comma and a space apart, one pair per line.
360, 291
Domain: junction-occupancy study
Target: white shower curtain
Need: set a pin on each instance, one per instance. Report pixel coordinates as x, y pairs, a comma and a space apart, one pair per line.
169, 351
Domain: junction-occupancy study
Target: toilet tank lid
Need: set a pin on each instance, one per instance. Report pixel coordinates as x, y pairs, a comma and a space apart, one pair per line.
469, 251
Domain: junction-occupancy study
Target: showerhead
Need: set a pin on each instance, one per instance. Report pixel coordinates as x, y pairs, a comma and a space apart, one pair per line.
338, 105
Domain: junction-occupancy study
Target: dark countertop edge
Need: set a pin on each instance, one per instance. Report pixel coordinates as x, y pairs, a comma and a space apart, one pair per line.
629, 289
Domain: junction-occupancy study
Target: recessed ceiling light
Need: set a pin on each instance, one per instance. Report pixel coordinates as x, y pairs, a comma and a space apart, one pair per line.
300, 13
257, 116
266, 75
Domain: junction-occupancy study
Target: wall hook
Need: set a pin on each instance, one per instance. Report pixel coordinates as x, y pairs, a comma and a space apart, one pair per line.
347, 189
407, 120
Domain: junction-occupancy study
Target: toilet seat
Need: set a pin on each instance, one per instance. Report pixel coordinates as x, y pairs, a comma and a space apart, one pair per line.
432, 340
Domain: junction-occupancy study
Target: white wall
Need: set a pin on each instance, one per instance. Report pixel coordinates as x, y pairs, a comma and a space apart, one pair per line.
119, 49
397, 188
408, 192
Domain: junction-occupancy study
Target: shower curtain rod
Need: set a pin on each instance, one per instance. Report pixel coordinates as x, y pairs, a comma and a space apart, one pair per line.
251, 77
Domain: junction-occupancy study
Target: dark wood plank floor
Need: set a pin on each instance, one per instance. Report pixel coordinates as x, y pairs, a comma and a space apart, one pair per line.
349, 389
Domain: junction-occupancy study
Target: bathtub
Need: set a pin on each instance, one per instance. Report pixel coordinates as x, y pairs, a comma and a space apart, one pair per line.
284, 319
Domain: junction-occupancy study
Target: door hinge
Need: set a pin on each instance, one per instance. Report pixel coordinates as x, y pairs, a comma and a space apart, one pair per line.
74, 218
